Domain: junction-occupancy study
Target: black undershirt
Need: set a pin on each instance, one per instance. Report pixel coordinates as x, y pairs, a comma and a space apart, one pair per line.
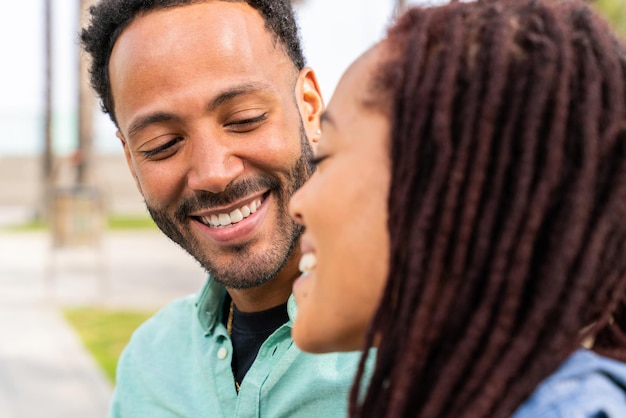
250, 330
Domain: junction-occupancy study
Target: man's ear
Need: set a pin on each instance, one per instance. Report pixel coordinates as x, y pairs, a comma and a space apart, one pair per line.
129, 160
310, 102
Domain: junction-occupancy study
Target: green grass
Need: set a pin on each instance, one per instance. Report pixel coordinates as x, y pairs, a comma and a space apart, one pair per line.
113, 223
36, 225
105, 332
116, 222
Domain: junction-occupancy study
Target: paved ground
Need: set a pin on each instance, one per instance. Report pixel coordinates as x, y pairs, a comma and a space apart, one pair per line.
44, 370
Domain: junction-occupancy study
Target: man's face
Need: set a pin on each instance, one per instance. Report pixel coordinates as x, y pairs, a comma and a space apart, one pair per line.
214, 120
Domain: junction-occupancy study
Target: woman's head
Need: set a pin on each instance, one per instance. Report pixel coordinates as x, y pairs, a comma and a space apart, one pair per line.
507, 203
345, 246
506, 210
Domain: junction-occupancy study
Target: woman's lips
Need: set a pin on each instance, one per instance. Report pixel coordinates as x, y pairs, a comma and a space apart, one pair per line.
308, 261
307, 264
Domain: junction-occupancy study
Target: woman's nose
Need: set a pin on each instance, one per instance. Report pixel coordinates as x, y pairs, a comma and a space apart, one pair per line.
295, 206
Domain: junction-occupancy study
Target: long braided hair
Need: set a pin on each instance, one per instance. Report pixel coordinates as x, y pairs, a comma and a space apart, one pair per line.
507, 207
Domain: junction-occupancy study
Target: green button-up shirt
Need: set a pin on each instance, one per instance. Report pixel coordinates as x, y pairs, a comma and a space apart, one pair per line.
178, 364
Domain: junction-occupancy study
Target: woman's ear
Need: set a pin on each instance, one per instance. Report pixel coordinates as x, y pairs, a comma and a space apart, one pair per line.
310, 103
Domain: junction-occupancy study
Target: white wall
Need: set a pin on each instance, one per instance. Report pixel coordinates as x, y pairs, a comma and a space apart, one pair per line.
335, 32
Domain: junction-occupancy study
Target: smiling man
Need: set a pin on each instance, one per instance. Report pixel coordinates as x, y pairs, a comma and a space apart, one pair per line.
217, 114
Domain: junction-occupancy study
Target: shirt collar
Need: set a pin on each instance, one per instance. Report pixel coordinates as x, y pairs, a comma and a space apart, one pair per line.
209, 304
211, 298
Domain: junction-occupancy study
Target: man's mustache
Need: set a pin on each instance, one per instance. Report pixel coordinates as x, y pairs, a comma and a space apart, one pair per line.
203, 200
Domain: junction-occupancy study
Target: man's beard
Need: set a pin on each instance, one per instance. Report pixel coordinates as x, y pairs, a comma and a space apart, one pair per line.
245, 269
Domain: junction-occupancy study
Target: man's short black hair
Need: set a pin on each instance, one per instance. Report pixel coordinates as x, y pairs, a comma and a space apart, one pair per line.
109, 18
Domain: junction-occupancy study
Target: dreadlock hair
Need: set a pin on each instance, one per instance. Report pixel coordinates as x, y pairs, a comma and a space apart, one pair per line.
109, 18
507, 205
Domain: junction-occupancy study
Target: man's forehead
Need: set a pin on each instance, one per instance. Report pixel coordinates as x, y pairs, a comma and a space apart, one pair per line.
210, 16
186, 35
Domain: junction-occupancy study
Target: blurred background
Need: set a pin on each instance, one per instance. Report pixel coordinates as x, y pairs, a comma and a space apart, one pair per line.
54, 134
81, 263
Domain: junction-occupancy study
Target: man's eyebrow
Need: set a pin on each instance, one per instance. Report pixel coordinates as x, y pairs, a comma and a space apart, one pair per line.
237, 91
227, 95
144, 121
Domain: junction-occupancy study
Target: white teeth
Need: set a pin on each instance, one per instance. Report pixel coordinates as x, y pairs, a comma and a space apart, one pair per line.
307, 263
224, 219
237, 215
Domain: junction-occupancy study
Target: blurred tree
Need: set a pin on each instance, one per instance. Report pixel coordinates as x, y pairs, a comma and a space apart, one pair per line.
615, 12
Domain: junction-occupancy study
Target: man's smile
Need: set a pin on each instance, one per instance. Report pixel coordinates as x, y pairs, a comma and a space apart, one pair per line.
230, 217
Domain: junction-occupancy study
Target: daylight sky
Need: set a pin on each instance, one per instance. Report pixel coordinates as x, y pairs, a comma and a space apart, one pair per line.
334, 33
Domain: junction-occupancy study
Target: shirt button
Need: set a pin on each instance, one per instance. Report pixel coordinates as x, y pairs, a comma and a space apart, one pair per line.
221, 353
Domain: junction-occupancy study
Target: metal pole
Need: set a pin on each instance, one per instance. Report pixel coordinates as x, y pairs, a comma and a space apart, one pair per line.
48, 156
84, 166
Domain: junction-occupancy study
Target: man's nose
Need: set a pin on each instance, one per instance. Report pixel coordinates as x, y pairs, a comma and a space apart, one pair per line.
213, 166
